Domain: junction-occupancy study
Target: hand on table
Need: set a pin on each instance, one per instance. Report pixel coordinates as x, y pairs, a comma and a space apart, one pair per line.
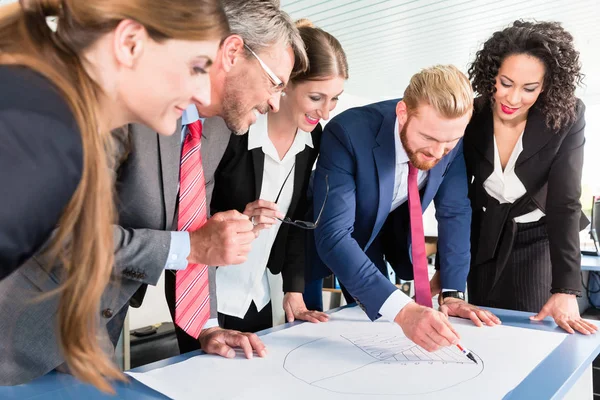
427, 327
262, 214
459, 308
223, 341
224, 239
563, 308
295, 308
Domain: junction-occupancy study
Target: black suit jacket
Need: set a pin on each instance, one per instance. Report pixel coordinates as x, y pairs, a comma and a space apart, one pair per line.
550, 168
41, 162
238, 181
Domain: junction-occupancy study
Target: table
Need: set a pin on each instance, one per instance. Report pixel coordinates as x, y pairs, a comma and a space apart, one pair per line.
590, 263
551, 379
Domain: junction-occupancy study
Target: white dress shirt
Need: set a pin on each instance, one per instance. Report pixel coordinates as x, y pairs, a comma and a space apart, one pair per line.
397, 300
505, 186
239, 285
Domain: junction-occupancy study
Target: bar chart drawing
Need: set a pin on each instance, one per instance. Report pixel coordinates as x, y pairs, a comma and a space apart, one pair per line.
379, 364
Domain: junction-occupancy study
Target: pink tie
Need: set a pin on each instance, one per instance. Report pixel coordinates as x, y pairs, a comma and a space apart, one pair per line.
192, 308
417, 234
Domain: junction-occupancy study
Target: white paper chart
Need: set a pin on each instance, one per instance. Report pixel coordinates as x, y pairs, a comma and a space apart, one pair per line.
352, 356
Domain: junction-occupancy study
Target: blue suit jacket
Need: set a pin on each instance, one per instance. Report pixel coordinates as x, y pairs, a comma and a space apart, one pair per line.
358, 155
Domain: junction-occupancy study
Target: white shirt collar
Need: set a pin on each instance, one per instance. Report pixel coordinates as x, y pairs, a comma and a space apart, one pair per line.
401, 156
258, 136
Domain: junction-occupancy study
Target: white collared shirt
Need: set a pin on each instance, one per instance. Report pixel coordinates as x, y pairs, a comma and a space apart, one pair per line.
505, 186
239, 285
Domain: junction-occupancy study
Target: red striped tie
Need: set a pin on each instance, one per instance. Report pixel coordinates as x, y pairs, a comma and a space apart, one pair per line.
192, 308
417, 234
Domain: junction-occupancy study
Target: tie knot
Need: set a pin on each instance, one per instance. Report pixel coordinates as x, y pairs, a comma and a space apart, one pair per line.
412, 170
195, 129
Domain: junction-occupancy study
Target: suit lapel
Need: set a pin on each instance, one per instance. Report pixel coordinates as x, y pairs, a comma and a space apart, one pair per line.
215, 138
301, 166
483, 140
434, 179
384, 155
170, 157
535, 137
258, 161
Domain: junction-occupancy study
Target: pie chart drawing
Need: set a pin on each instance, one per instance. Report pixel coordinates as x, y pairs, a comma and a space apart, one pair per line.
379, 364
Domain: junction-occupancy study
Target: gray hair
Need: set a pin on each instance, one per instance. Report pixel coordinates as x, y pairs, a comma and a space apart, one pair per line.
261, 24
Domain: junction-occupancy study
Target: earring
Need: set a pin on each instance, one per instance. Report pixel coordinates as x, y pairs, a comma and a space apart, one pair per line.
283, 94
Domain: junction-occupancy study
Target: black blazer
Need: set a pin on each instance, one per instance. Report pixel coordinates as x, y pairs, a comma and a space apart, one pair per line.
550, 168
41, 162
238, 181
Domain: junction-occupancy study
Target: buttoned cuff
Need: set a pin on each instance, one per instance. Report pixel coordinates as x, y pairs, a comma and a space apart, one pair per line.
392, 306
211, 323
178, 251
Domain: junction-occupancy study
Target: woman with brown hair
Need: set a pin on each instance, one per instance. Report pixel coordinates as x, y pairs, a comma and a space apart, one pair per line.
104, 64
268, 170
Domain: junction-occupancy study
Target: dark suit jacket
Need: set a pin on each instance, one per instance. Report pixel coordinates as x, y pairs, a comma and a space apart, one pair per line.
550, 168
241, 171
41, 161
358, 155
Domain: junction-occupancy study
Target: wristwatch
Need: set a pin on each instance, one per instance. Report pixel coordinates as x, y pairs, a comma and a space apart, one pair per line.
453, 293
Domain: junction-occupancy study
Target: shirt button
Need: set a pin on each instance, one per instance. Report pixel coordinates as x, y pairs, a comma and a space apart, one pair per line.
174, 257
108, 313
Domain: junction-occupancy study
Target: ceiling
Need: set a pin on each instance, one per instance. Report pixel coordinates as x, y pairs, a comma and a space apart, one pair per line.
387, 41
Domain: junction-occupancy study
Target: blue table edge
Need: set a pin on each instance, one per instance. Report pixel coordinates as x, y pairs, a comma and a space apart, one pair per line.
551, 379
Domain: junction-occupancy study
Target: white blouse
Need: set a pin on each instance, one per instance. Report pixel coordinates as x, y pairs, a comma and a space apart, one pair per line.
239, 285
505, 186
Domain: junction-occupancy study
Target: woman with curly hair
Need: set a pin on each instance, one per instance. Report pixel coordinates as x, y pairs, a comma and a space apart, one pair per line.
524, 156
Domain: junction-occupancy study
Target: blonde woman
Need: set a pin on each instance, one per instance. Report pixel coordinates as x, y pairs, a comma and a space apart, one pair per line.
107, 63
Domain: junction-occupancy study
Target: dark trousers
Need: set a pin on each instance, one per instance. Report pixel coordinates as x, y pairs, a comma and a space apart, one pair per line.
186, 342
253, 321
525, 282
313, 294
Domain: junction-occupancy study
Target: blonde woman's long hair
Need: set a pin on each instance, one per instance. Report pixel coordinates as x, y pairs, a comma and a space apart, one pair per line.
84, 239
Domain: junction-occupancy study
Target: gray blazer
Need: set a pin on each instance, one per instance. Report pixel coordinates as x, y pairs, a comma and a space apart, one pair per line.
147, 186
215, 137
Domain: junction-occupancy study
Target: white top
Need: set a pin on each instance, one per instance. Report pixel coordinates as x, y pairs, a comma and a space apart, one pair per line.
397, 300
239, 285
505, 186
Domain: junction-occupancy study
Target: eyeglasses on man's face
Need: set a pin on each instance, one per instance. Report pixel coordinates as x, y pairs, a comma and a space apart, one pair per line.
278, 84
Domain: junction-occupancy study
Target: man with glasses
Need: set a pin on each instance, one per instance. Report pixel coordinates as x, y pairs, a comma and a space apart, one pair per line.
252, 68
160, 192
385, 163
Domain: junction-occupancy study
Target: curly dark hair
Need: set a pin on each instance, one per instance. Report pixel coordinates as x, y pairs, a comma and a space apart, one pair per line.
552, 45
